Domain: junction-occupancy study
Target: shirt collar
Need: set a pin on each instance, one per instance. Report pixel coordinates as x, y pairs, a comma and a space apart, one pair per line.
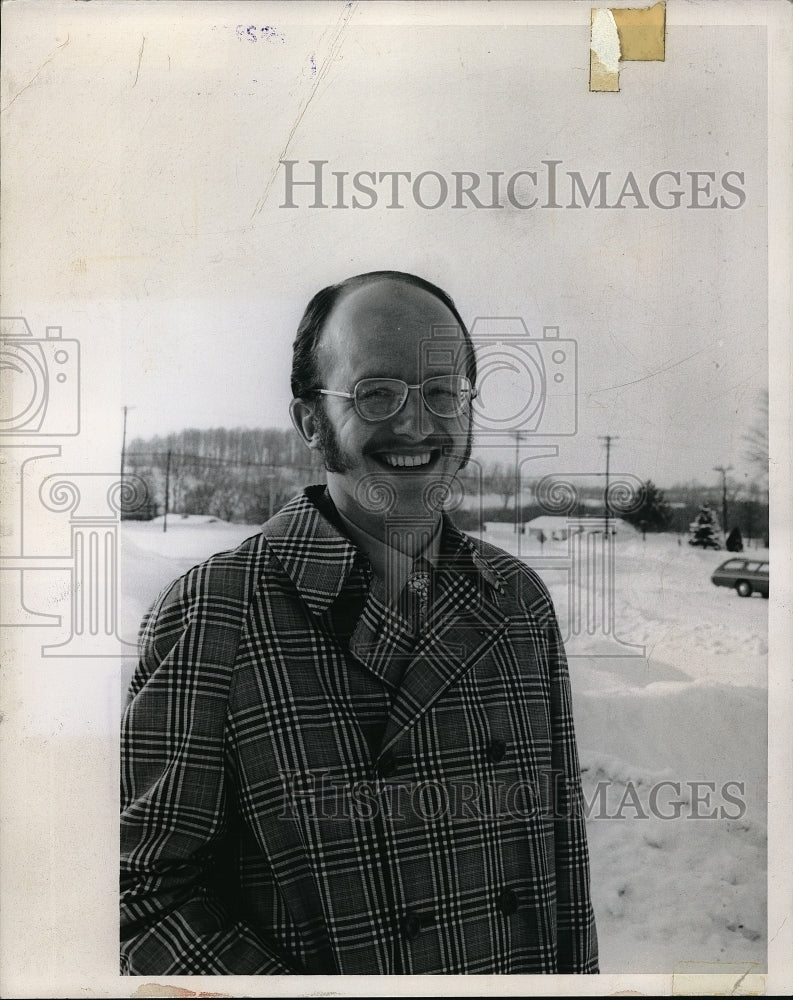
308, 538
389, 563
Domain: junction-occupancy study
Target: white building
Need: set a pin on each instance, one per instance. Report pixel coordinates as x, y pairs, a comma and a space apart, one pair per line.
558, 528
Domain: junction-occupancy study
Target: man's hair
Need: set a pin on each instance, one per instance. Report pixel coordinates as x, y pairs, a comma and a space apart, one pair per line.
305, 370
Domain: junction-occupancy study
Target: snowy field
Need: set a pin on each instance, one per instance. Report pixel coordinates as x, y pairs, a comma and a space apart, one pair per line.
670, 710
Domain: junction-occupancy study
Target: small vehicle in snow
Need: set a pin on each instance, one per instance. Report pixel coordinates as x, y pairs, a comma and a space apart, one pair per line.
746, 576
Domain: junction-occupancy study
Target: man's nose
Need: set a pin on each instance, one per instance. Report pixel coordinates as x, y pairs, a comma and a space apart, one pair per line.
414, 419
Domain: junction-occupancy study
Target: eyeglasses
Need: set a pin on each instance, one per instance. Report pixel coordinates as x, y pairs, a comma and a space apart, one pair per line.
381, 398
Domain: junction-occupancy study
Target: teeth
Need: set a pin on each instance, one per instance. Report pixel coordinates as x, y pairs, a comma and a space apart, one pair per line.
408, 461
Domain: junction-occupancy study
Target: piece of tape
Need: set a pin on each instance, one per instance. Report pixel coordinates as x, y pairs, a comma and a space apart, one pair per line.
622, 34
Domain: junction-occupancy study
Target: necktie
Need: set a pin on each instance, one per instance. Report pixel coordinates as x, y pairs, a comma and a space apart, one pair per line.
418, 588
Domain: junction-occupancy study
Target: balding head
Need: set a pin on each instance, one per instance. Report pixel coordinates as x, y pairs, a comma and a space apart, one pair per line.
305, 361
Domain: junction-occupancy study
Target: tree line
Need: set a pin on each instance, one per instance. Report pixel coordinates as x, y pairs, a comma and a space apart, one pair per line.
245, 475
235, 474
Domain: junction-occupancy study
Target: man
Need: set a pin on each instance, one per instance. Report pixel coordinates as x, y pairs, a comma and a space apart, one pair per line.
349, 746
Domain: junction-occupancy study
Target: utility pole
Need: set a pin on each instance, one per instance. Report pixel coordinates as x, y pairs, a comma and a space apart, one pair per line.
723, 471
518, 435
124, 444
123, 457
608, 438
167, 488
124, 441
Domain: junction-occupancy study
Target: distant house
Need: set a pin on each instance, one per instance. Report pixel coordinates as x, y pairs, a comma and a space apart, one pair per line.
558, 528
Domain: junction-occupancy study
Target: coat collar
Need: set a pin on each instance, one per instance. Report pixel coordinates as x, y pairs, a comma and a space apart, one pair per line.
316, 556
308, 541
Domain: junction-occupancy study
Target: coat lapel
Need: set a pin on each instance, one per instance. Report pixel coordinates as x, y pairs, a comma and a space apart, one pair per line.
318, 558
382, 641
466, 622
315, 555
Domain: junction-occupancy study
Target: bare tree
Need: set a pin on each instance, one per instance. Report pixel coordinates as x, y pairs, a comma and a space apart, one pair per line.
225, 502
500, 479
756, 438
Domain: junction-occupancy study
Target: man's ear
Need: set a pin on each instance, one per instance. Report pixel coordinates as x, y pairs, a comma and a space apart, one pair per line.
304, 422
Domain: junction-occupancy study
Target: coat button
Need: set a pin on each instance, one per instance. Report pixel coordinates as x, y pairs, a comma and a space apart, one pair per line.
411, 926
507, 902
386, 766
496, 750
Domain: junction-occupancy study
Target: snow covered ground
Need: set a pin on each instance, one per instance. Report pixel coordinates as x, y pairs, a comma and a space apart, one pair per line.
672, 738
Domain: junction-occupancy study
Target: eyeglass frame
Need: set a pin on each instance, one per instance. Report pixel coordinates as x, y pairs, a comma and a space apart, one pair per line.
472, 390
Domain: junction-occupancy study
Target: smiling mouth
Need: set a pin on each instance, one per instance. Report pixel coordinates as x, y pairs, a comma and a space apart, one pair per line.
399, 460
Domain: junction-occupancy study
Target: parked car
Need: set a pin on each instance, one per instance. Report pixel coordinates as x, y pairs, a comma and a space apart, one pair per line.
746, 576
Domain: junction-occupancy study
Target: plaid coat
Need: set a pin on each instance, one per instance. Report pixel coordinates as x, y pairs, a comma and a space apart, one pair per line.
308, 789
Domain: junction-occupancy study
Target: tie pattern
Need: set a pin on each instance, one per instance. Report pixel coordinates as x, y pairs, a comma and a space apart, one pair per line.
418, 588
